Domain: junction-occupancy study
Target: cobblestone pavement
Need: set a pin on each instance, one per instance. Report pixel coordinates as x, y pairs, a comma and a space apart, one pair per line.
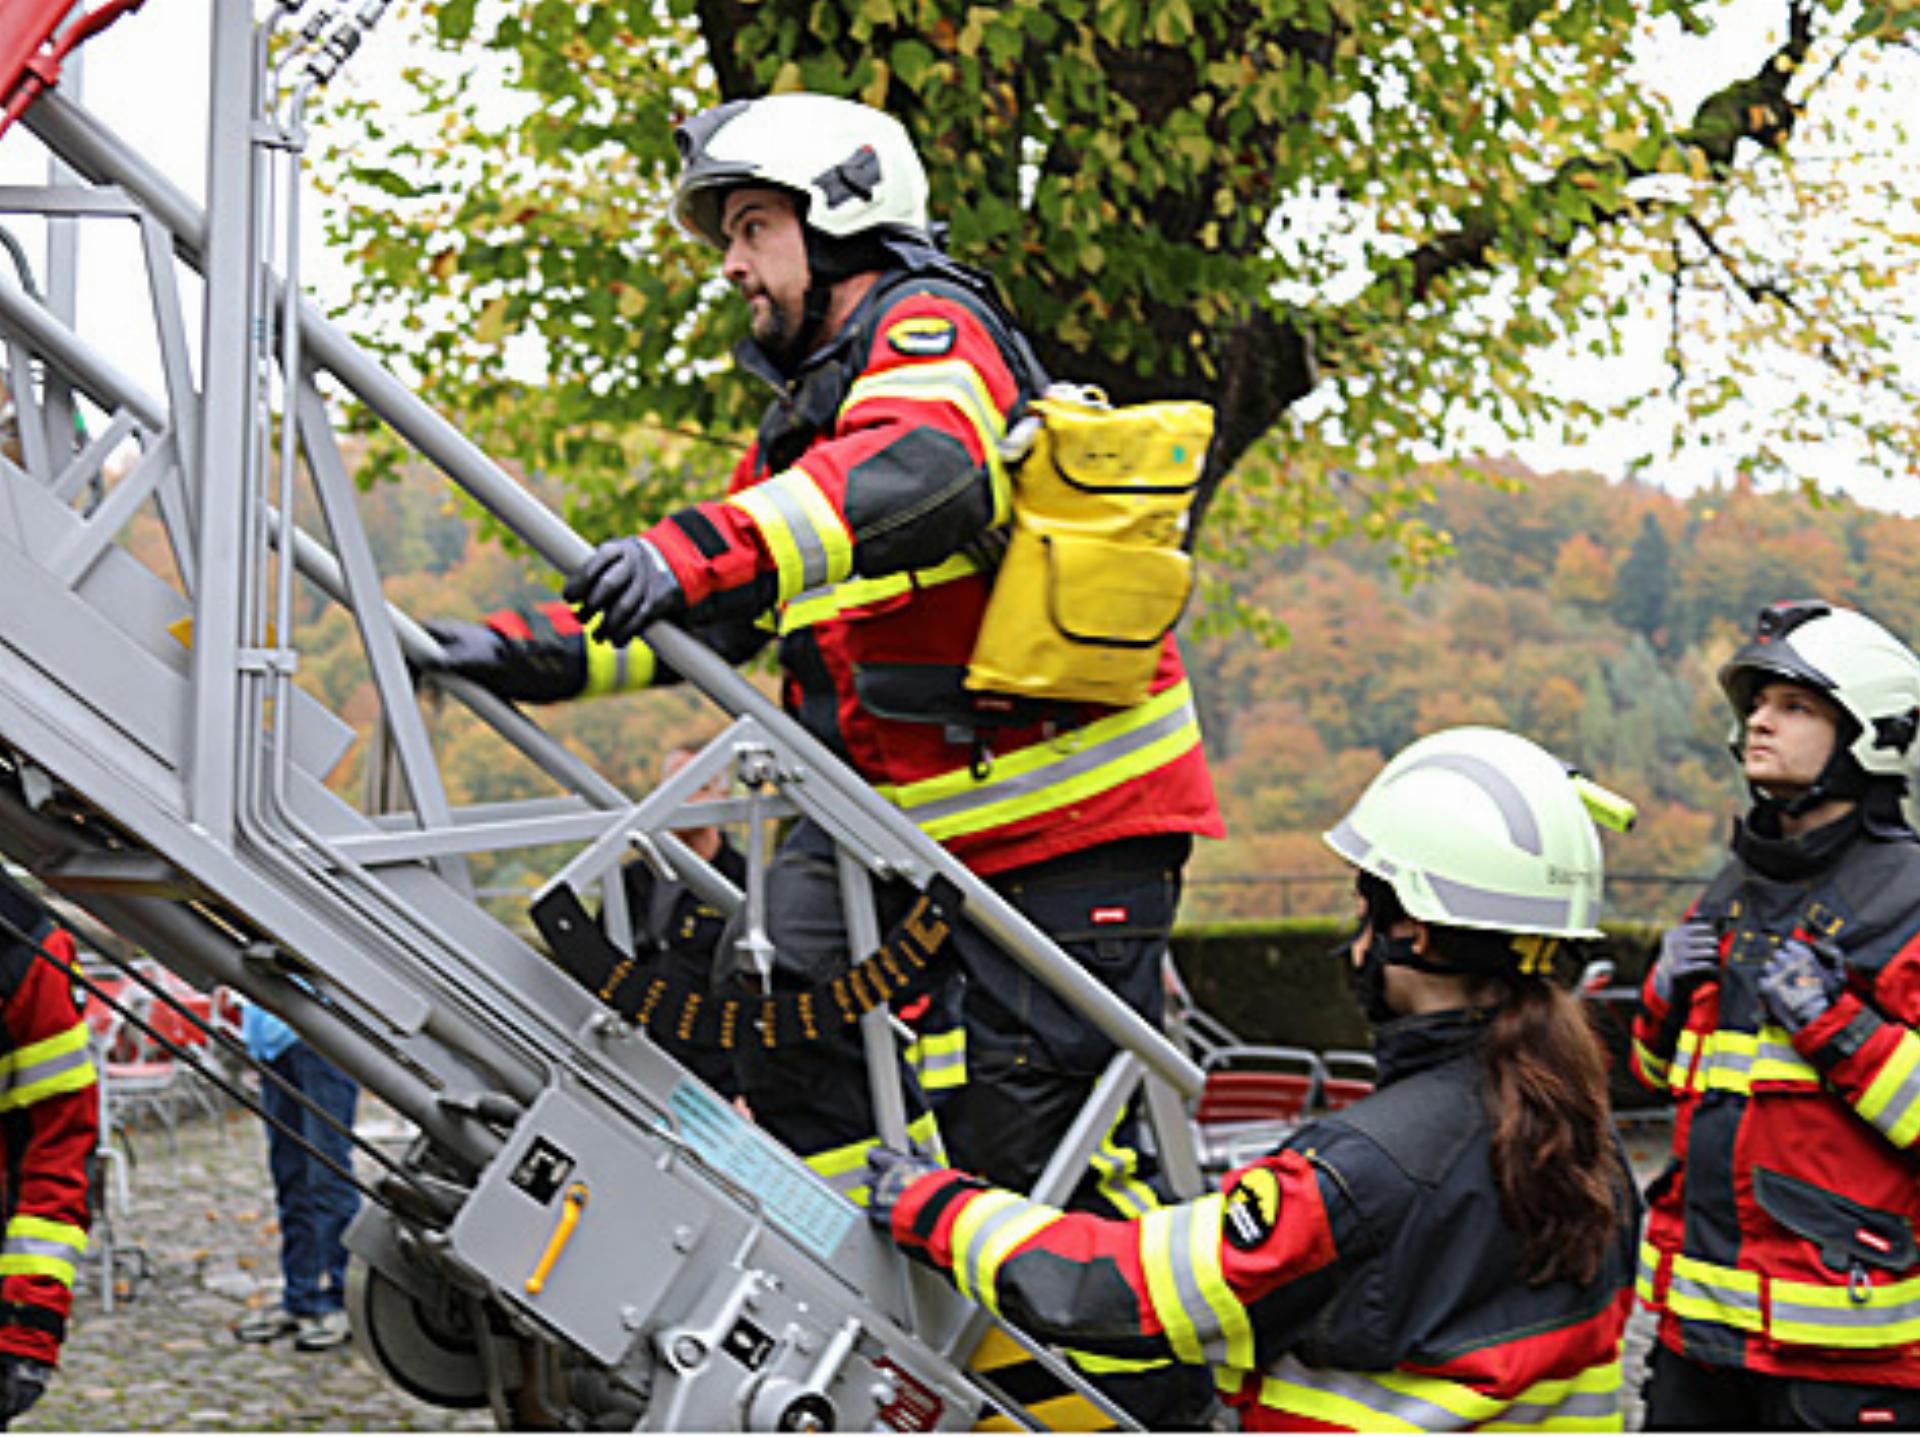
198, 1249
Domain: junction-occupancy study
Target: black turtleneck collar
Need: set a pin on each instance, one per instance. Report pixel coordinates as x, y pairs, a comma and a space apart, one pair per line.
1763, 847
1420, 1041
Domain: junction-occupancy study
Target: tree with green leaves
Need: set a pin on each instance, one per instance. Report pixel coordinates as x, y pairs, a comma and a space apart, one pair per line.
1353, 230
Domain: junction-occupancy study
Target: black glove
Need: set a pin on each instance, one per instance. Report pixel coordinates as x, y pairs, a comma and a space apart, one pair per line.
1801, 981
627, 584
22, 1380
889, 1175
535, 671
1689, 955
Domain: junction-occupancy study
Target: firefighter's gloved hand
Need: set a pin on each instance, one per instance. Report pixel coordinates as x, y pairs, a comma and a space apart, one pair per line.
626, 584
528, 671
1689, 955
1801, 981
889, 1175
22, 1380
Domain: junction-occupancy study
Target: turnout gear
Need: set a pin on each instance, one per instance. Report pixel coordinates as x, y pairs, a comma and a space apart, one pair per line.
1689, 956
627, 586
23, 1381
49, 1124
1780, 1237
1360, 1278
1868, 674
1477, 828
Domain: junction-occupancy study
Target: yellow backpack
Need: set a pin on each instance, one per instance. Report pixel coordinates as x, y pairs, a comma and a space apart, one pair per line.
1094, 575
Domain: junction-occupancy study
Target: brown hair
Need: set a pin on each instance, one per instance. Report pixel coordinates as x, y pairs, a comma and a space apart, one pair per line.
1562, 1184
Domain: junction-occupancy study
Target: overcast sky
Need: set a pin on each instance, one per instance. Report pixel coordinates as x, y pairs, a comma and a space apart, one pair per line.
147, 78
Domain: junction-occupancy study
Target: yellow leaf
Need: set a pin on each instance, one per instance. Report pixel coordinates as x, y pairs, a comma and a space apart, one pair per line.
491, 327
443, 265
632, 303
788, 80
875, 93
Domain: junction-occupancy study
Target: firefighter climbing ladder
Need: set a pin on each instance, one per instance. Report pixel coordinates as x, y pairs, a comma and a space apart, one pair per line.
582, 1234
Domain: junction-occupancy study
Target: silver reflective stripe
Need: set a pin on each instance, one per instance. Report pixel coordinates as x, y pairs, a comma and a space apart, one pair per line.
1415, 1411
1346, 841
972, 1258
935, 1067
43, 1247
1574, 1404
813, 553
1714, 1293
1504, 792
1868, 1314
1897, 1105
1060, 770
1504, 910
47, 1068
1186, 1282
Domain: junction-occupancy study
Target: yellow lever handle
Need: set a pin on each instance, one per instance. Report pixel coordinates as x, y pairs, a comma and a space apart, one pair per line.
570, 1206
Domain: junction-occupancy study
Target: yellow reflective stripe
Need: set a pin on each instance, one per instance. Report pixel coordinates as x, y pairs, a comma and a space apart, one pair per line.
1654, 1069
22, 1264
939, 1060
989, 1227
1413, 1402
819, 605
617, 668
48, 1068
1733, 1062
1708, 1292
1204, 1241
1892, 1100
1116, 1165
1649, 1268
46, 1229
1180, 1255
955, 382
1101, 1363
803, 531
1055, 773
1828, 1316
845, 1167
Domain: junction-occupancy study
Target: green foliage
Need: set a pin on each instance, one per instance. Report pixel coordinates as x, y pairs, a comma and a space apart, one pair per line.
1352, 230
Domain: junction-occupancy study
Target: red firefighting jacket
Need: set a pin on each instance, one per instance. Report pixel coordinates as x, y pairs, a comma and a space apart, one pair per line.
49, 1123
1781, 1239
849, 526
1359, 1279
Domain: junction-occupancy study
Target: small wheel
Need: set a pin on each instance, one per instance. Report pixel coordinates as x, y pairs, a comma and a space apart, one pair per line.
428, 1349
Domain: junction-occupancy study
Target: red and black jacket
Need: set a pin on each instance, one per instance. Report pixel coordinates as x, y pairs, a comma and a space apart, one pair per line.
1361, 1278
1781, 1238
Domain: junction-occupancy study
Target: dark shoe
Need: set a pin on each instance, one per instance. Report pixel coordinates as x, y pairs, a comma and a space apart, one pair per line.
321, 1330
267, 1325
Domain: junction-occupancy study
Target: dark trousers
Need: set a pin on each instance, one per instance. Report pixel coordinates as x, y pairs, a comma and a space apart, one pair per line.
315, 1203
1687, 1396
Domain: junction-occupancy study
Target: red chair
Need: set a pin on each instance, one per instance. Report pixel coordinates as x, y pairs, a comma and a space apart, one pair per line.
1255, 1094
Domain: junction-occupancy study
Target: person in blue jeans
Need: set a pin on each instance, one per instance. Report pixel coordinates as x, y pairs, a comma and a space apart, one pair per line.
316, 1203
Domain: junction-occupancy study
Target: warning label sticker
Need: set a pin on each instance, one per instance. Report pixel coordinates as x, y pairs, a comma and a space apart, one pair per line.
795, 1198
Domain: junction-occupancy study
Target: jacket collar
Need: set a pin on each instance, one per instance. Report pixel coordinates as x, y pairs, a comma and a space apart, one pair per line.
1759, 843
1420, 1041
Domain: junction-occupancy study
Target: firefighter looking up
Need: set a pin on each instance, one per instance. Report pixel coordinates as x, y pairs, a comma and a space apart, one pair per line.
853, 525
1782, 1014
49, 1123
1455, 1250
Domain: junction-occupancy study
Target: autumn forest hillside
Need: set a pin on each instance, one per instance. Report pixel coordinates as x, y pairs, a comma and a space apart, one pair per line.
1589, 615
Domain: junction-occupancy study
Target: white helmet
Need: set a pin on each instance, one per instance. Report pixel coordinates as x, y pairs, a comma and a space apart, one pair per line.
853, 164
1868, 674
1479, 828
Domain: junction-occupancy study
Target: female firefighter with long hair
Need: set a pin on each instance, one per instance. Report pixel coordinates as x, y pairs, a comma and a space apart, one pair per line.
1454, 1251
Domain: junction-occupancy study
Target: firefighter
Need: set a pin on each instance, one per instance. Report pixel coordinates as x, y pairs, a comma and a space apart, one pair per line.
1780, 1249
49, 1124
855, 524
1455, 1250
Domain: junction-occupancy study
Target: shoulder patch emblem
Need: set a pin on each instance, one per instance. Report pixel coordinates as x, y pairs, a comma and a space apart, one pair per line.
1253, 1209
922, 336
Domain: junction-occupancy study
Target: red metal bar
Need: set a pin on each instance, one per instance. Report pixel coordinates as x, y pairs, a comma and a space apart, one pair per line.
30, 53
